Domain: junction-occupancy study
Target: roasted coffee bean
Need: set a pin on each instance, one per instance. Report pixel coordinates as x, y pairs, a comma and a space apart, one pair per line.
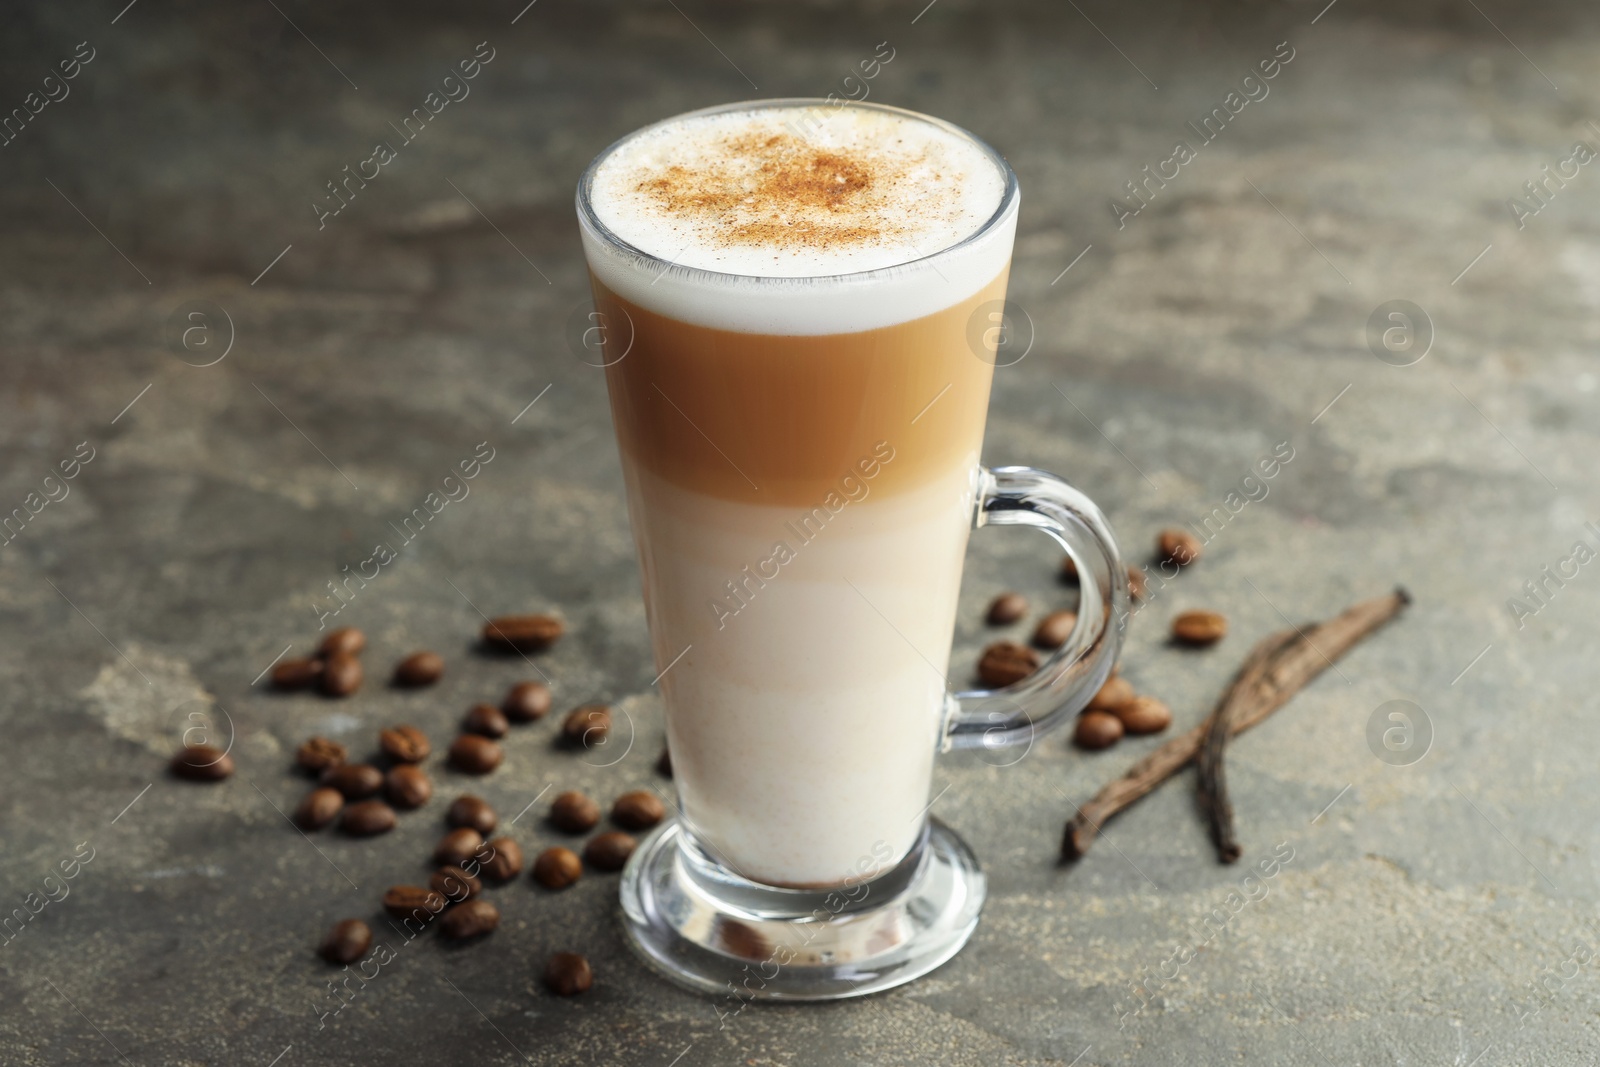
319, 753
743, 940
202, 763
1006, 609
345, 641
504, 860
296, 673
468, 810
1005, 663
407, 786
1054, 629
557, 868
457, 847
1199, 628
573, 812
347, 942
456, 884
526, 702
320, 807
664, 763
1115, 693
367, 817
341, 675
1136, 582
471, 919
356, 781
1179, 546
404, 744
568, 974
587, 725
1069, 570
419, 669
638, 810
404, 901
486, 719
1144, 715
525, 633
474, 754
609, 851
1097, 729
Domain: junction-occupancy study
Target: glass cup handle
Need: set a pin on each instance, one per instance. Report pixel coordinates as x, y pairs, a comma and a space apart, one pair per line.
1071, 675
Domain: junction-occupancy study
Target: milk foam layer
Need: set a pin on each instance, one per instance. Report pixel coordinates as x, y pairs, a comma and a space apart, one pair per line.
770, 214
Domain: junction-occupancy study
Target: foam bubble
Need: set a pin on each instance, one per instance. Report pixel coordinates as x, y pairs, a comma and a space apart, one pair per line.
805, 192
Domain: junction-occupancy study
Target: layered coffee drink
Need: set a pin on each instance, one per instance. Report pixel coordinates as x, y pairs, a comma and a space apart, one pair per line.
799, 396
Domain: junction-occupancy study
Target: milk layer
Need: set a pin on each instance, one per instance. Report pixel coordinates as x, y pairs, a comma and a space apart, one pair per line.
804, 718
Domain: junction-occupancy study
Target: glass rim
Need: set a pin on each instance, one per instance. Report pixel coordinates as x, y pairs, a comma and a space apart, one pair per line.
590, 221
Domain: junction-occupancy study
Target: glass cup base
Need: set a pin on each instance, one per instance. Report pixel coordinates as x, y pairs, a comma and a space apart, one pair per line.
705, 928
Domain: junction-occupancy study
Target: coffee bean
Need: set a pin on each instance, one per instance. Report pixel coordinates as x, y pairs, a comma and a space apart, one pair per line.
1144, 715
587, 725
472, 919
505, 860
573, 812
609, 851
1178, 546
407, 786
568, 974
404, 744
743, 940
1054, 629
486, 719
524, 633
1006, 609
526, 701
405, 901
1097, 729
1136, 582
457, 847
1199, 628
474, 754
1005, 663
367, 817
1115, 693
355, 780
319, 753
638, 810
1069, 570
320, 807
468, 810
664, 763
201, 763
557, 868
419, 669
341, 675
345, 641
347, 942
296, 673
456, 884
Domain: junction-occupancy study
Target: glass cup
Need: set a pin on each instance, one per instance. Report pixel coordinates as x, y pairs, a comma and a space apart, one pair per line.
802, 478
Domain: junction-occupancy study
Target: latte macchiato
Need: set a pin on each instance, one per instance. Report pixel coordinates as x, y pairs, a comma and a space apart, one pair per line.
800, 441
800, 306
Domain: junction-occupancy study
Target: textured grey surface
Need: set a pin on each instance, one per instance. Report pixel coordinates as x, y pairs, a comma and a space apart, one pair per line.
1429, 916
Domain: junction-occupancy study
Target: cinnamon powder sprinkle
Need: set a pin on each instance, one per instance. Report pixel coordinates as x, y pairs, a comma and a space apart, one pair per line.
764, 188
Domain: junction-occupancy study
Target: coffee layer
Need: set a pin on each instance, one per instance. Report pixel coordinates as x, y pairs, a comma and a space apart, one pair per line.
780, 420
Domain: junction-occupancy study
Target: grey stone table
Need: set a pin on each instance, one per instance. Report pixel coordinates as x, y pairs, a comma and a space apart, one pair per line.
1436, 910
